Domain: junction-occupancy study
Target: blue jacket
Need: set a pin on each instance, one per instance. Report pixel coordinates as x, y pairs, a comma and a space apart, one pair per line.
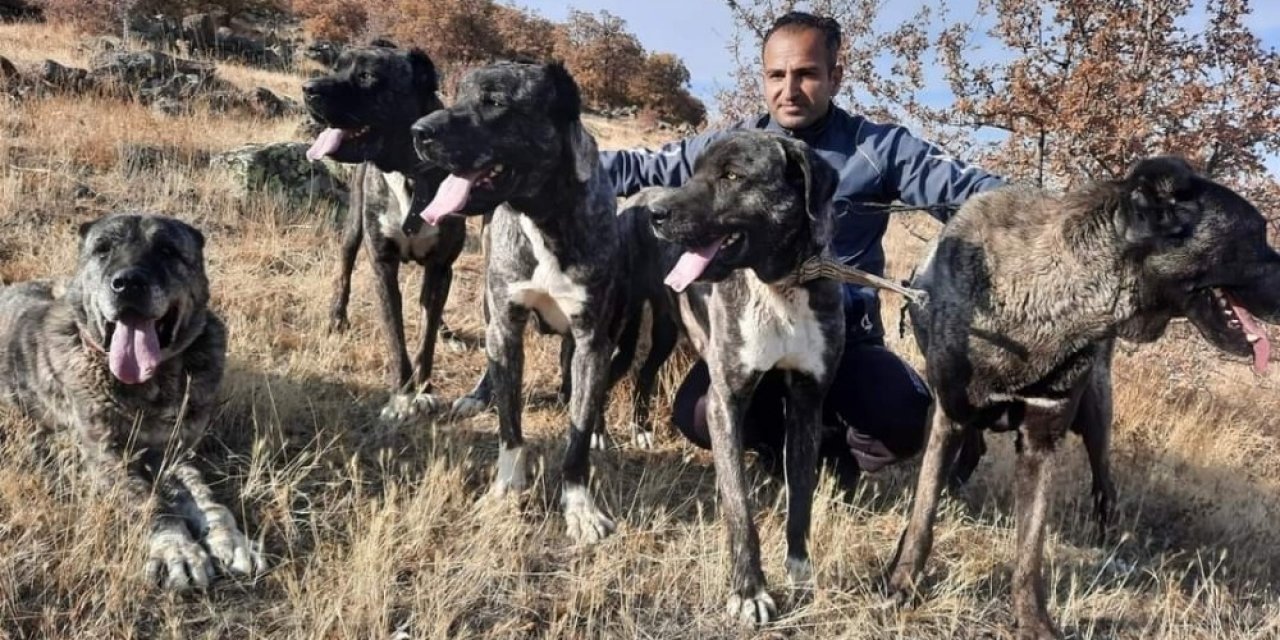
877, 163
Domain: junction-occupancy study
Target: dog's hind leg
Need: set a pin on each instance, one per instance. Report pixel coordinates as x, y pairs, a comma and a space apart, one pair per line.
504, 345
917, 538
665, 334
1093, 422
748, 600
804, 433
352, 233
587, 524
216, 526
1041, 431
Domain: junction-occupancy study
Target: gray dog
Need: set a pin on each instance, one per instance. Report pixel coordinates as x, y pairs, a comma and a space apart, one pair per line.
369, 102
1027, 292
130, 359
514, 140
755, 210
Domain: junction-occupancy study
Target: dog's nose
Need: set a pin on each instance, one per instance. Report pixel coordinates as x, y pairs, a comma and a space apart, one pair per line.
128, 281
428, 127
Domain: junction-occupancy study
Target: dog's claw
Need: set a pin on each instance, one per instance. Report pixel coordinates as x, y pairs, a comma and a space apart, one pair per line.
235, 553
601, 441
177, 561
402, 407
753, 611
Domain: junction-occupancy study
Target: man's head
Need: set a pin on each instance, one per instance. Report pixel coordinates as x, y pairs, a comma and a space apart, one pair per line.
801, 72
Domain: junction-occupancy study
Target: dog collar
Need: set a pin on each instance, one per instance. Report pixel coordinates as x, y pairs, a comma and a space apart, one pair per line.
819, 267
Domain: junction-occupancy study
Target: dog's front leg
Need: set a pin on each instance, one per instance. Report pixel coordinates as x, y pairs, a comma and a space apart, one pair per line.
748, 600
352, 232
804, 432
917, 539
436, 281
589, 368
399, 370
504, 345
215, 525
1038, 437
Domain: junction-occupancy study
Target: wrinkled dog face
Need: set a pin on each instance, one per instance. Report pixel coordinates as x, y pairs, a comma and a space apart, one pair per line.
371, 98
512, 128
1201, 250
140, 290
756, 200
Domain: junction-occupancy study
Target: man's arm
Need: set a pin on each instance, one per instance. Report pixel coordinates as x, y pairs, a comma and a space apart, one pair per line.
634, 169
921, 174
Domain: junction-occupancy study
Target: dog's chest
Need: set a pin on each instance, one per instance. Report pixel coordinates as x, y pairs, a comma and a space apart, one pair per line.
778, 328
547, 290
391, 217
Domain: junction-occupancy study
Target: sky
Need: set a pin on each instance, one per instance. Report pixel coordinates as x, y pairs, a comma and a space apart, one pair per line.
699, 31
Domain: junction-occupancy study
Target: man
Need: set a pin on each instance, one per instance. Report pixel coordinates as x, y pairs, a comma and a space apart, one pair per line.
876, 410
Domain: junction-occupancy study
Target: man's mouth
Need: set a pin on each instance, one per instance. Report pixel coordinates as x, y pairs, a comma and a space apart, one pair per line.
455, 191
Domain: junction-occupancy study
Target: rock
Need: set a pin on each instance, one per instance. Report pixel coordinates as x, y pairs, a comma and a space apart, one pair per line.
200, 30
281, 167
146, 67
64, 78
270, 105
19, 10
141, 158
323, 52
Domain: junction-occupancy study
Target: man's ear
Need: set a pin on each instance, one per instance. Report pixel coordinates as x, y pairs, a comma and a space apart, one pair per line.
837, 76
817, 181
1162, 202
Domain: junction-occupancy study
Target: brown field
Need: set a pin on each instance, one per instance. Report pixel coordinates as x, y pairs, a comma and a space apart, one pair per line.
372, 531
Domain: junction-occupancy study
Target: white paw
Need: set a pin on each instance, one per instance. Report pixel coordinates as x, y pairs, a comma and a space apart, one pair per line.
177, 561
800, 573
468, 406
600, 441
754, 611
403, 407
233, 551
642, 438
585, 522
513, 472
454, 345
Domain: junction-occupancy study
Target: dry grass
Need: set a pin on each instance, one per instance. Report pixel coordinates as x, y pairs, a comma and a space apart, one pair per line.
373, 530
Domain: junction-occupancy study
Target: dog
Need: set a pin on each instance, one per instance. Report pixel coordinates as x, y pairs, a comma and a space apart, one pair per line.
129, 358
733, 239
513, 143
1027, 292
369, 102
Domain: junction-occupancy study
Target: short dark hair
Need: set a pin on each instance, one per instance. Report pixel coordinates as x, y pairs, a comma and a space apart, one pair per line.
800, 20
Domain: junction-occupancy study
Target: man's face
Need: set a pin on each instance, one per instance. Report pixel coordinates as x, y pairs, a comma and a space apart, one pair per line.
798, 81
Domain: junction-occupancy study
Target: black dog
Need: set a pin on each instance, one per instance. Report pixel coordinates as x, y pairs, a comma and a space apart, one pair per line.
369, 102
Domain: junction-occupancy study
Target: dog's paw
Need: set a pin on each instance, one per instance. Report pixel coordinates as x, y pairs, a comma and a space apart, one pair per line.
1038, 628
234, 552
642, 439
338, 325
176, 561
756, 610
403, 407
513, 472
901, 589
585, 522
799, 573
468, 406
600, 441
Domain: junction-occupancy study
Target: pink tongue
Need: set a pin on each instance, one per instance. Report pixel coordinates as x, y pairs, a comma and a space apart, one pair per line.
1261, 348
135, 351
326, 143
450, 197
691, 265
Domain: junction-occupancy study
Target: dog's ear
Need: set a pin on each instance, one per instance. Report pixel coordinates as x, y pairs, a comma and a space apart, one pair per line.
1162, 202
85, 228
426, 82
196, 236
809, 172
566, 100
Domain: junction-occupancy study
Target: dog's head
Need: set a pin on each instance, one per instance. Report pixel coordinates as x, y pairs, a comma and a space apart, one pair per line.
1200, 250
140, 290
512, 131
369, 101
755, 200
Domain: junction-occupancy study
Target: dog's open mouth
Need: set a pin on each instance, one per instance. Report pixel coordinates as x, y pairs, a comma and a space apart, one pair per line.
134, 344
332, 139
455, 191
695, 261
1239, 327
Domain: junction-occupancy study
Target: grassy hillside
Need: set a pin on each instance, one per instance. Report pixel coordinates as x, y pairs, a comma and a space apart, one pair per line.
373, 532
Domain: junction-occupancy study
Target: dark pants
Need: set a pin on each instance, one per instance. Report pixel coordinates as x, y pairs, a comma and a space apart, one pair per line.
876, 412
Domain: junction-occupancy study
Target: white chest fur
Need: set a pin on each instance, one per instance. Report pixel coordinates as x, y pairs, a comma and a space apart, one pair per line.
779, 329
549, 291
392, 216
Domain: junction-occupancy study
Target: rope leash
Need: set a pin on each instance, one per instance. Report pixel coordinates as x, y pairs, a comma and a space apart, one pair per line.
819, 267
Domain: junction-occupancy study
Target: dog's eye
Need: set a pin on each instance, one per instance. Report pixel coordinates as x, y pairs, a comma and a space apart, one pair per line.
730, 176
367, 78
168, 251
102, 249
